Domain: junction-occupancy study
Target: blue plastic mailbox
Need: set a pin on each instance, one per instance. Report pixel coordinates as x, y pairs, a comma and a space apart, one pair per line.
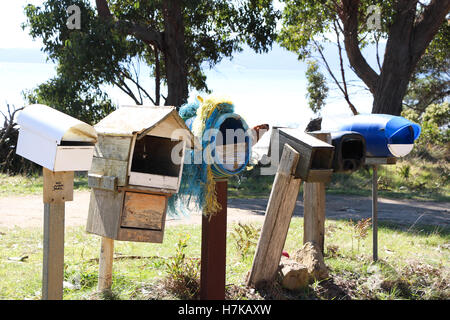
386, 135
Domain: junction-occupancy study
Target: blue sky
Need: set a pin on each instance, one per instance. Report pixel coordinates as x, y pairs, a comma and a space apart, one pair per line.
268, 88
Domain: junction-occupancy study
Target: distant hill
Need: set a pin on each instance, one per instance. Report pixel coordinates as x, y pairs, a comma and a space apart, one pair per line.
22, 55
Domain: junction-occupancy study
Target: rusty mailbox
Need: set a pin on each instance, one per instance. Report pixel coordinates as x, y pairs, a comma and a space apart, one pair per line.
137, 166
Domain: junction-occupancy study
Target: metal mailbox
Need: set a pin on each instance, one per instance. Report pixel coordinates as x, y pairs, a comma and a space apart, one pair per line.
54, 139
385, 135
137, 166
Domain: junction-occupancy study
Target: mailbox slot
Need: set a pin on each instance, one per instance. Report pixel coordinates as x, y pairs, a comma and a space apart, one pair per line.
350, 151
152, 164
232, 149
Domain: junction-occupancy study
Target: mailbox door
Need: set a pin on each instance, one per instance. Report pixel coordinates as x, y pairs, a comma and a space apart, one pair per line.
144, 211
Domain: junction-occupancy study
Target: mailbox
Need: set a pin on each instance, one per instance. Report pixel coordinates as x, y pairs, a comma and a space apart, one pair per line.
349, 151
137, 166
385, 135
315, 164
229, 144
54, 139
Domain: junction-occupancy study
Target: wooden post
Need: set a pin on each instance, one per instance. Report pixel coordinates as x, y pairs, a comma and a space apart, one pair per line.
105, 264
314, 213
375, 211
278, 217
314, 205
58, 188
214, 247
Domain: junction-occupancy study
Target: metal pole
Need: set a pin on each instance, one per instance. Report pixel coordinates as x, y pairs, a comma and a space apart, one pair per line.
375, 211
214, 247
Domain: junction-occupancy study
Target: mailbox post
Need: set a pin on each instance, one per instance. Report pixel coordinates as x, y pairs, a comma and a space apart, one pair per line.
62, 145
387, 138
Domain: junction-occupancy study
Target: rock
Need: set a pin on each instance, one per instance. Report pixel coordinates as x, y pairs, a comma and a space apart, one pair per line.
311, 257
294, 275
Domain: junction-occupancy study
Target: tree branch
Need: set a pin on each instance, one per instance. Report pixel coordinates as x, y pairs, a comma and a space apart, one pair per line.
348, 14
427, 26
141, 32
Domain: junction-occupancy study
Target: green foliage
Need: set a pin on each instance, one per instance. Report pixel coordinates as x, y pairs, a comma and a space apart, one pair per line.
183, 278
431, 81
102, 52
434, 122
246, 238
317, 87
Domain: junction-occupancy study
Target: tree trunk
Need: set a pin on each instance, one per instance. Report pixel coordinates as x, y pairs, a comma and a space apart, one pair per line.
390, 92
174, 54
398, 62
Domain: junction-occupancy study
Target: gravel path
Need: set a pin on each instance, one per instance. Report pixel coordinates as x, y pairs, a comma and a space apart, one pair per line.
27, 211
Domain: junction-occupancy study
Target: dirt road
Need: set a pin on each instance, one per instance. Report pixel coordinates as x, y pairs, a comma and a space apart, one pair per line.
27, 211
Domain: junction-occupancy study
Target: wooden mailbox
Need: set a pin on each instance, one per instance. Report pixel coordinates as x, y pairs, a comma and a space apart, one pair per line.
316, 155
137, 166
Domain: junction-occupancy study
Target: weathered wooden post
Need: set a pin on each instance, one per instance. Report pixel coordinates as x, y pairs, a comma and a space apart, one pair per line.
277, 219
314, 205
303, 157
214, 248
62, 145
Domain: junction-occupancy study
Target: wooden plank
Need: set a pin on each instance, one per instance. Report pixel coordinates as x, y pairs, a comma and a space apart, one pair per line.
160, 191
53, 258
315, 154
143, 211
102, 182
58, 186
141, 235
323, 175
105, 264
104, 213
277, 219
321, 135
110, 167
314, 213
113, 147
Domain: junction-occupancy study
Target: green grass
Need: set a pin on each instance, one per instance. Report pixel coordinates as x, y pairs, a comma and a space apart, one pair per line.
408, 179
414, 264
23, 185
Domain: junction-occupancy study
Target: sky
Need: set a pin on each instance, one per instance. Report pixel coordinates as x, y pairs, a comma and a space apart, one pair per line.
265, 88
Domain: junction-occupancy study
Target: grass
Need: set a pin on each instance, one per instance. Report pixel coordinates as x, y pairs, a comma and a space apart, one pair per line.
414, 264
24, 185
414, 178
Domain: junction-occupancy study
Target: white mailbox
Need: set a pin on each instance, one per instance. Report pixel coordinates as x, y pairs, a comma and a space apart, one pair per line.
54, 139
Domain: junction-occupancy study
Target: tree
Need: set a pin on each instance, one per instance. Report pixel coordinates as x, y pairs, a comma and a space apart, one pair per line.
430, 83
175, 38
317, 87
86, 104
407, 25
